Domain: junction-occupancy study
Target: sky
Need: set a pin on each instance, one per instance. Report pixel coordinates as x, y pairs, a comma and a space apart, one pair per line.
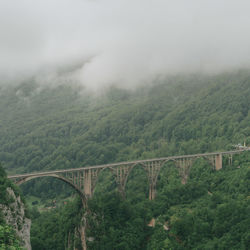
104, 42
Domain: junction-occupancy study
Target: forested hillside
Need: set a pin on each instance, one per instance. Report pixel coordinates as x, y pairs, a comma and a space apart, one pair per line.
66, 126
58, 127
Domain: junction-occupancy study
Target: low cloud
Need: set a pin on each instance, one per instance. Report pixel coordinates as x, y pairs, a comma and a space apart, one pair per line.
99, 43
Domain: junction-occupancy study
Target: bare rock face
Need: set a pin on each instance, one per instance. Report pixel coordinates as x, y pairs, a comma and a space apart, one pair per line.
14, 215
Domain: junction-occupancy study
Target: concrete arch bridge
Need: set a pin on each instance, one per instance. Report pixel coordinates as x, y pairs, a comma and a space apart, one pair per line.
84, 179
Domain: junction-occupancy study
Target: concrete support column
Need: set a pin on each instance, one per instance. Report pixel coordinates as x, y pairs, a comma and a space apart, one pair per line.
218, 161
87, 183
121, 176
230, 160
184, 165
152, 169
152, 191
80, 181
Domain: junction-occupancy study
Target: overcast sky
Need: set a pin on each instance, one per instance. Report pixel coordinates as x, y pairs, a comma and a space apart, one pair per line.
102, 42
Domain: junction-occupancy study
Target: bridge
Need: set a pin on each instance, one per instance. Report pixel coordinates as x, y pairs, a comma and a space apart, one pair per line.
84, 179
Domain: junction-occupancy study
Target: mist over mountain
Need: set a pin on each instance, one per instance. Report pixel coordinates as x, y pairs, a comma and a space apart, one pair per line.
118, 42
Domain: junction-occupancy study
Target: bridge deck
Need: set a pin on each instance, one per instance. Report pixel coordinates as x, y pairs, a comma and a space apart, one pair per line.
127, 163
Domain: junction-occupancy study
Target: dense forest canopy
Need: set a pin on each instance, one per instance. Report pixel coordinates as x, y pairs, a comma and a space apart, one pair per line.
44, 128
66, 126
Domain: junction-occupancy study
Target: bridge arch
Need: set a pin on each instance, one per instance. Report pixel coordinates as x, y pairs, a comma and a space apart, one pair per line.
80, 192
127, 177
130, 169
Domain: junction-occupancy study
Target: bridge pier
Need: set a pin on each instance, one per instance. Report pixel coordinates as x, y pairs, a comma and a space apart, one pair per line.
230, 160
121, 176
87, 183
218, 161
152, 191
152, 169
184, 166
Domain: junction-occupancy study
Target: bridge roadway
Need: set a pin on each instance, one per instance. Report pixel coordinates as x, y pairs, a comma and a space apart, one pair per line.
84, 179
128, 163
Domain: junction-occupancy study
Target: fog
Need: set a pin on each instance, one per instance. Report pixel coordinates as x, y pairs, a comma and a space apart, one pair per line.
99, 43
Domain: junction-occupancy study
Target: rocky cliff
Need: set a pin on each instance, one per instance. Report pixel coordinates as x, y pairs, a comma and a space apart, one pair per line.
14, 224
14, 215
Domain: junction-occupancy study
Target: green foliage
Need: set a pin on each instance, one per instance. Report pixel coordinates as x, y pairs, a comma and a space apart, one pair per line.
8, 238
117, 224
53, 230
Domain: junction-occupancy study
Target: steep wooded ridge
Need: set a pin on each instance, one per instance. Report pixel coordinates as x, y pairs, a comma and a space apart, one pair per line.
45, 128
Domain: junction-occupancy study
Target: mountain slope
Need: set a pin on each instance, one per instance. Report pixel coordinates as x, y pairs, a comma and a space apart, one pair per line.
44, 128
54, 128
